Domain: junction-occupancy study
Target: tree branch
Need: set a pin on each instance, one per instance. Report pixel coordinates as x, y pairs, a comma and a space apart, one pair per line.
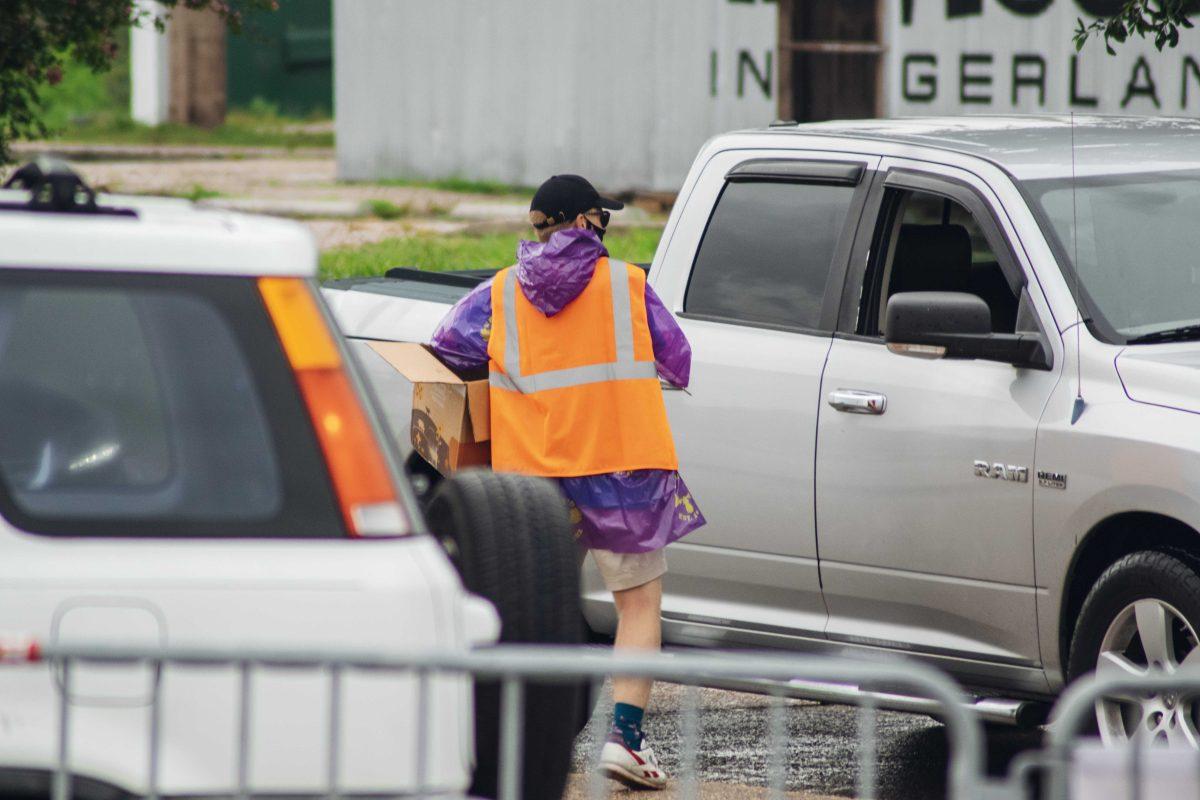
1160, 19
40, 38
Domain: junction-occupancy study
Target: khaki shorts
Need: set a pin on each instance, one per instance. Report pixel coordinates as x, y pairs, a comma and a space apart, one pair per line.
622, 571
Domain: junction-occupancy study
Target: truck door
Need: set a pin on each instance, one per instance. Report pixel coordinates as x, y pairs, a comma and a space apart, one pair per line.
920, 548
753, 271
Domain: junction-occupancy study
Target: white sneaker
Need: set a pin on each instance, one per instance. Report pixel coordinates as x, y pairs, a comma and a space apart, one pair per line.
636, 769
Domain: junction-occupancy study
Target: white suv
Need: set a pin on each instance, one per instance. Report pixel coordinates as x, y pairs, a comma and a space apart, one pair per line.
187, 457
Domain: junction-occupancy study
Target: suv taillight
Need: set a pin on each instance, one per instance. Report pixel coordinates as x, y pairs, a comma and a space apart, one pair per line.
352, 453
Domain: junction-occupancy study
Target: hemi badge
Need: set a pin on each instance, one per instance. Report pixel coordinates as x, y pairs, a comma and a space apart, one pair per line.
1052, 480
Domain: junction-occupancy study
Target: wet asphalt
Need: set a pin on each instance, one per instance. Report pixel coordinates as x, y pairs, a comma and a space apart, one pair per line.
823, 746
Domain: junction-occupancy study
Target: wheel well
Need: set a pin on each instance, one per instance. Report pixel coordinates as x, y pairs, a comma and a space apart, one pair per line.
32, 783
423, 476
1107, 542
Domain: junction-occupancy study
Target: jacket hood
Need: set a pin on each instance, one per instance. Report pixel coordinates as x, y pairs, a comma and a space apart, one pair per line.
553, 273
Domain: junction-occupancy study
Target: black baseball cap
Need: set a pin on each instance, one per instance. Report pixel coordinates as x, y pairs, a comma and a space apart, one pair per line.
564, 197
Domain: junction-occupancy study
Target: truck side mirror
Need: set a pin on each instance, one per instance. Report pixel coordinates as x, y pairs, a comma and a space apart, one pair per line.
956, 325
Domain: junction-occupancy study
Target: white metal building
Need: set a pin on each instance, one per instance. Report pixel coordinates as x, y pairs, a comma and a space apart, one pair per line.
626, 91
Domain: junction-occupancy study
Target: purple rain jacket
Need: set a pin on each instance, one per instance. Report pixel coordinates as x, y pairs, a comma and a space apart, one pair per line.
626, 512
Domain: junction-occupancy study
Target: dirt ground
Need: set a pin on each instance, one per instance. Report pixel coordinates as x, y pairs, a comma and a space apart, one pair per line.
340, 214
822, 748
337, 213
578, 789
268, 178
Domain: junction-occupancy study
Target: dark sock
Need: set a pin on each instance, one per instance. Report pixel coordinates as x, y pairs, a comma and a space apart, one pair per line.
627, 725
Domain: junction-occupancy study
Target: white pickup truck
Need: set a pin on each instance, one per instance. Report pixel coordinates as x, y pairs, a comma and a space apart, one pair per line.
944, 400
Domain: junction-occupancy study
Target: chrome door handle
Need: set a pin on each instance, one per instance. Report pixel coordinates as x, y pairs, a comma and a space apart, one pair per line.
856, 401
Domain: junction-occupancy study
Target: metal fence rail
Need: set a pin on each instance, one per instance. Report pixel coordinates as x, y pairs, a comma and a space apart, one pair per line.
1053, 773
516, 666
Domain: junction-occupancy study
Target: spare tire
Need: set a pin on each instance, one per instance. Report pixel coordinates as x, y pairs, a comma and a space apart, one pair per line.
510, 538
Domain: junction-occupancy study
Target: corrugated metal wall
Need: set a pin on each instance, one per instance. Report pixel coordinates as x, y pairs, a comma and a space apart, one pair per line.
623, 91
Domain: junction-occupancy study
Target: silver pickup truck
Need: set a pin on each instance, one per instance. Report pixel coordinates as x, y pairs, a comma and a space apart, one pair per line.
944, 399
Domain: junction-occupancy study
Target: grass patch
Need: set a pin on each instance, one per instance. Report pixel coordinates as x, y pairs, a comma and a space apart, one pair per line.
198, 192
443, 253
386, 209
241, 129
461, 185
93, 108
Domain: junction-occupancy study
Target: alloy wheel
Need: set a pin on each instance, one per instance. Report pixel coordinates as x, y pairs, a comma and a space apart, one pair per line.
1148, 637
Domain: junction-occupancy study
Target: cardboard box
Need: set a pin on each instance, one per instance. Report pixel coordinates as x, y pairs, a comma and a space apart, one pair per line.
450, 423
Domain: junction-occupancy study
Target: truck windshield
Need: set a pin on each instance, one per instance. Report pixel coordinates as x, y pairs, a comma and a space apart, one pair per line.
1134, 244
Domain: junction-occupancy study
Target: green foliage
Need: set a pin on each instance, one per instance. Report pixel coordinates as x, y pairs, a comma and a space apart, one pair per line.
88, 106
85, 97
39, 39
461, 185
241, 129
1160, 19
386, 209
443, 253
200, 192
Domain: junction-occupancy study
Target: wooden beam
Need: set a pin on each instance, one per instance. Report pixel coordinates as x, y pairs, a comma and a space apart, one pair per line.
838, 48
879, 70
197, 72
783, 58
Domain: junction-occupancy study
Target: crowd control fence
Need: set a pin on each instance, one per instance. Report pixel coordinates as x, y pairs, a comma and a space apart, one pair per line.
1074, 764
515, 667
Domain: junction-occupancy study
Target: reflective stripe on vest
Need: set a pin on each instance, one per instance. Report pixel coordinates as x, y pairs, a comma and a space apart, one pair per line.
626, 367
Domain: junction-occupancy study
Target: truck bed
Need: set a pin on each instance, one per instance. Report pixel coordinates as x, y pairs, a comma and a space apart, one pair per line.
417, 284
404, 304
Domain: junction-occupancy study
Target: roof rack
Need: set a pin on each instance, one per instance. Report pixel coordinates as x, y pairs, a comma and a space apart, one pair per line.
54, 187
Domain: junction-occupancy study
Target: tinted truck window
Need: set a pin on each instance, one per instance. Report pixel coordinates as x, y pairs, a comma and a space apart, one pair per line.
152, 405
766, 254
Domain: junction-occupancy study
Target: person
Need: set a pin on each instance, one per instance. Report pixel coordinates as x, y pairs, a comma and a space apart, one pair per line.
576, 342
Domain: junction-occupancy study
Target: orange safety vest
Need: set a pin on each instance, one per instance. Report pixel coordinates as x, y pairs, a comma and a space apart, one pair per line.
577, 393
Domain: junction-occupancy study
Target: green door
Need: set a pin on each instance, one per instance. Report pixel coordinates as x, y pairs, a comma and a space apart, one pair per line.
286, 58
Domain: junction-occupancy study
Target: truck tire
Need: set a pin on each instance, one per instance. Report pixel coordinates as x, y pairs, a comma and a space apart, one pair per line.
561, 623
510, 538
1141, 616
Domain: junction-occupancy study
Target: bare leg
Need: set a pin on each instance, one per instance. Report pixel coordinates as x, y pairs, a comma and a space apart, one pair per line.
639, 627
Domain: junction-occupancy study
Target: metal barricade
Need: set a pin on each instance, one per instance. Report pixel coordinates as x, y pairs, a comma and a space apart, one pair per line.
1072, 765
516, 666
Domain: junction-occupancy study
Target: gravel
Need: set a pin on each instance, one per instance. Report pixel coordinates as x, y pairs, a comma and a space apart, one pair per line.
337, 213
822, 747
262, 178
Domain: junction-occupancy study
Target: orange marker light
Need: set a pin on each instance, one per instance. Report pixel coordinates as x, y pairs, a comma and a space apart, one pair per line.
301, 327
356, 464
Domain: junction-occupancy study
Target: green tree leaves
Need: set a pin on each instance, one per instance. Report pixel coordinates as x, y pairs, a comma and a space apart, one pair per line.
1160, 19
39, 38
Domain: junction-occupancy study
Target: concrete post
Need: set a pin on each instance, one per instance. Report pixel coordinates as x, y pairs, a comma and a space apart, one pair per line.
149, 69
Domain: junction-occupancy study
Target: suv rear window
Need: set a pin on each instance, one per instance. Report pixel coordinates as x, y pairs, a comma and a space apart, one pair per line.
155, 406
